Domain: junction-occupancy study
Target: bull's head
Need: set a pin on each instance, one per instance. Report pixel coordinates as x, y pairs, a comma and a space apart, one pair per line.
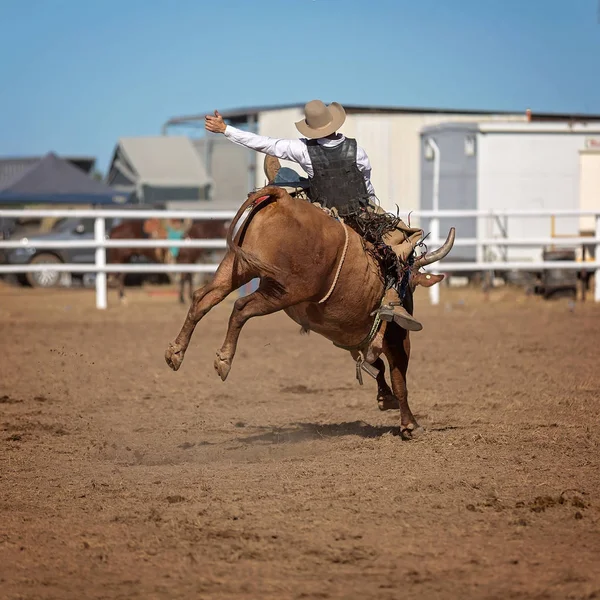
429, 279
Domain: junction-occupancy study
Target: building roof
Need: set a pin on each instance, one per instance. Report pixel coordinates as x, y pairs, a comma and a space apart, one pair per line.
240, 115
451, 126
56, 181
516, 127
539, 127
158, 161
10, 167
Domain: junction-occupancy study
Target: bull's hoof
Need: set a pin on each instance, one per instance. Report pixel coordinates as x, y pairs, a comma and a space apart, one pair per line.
222, 365
411, 431
406, 434
388, 402
174, 355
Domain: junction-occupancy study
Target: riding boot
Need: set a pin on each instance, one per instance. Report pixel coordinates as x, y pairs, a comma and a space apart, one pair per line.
392, 310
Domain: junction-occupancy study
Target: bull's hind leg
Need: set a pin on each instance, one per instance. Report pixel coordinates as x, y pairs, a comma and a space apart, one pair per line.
266, 300
397, 350
385, 397
205, 298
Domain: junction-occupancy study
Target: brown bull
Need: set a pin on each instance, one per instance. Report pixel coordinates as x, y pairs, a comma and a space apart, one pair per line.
199, 230
322, 274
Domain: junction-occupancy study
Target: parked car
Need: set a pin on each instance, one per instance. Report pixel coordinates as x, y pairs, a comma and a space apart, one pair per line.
64, 229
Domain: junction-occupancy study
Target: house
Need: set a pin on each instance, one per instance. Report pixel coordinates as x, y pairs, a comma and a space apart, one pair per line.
161, 171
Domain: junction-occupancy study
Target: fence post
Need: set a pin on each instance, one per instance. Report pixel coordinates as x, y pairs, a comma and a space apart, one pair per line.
99, 233
597, 259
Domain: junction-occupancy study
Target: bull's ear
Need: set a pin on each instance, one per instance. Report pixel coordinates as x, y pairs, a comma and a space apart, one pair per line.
426, 279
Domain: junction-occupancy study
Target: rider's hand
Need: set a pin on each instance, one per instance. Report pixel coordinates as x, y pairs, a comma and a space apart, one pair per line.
215, 124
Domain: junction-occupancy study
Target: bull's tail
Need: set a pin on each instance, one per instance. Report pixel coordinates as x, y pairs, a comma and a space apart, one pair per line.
248, 259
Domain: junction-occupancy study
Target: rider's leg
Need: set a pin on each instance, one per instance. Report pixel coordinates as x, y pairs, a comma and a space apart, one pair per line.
392, 310
403, 240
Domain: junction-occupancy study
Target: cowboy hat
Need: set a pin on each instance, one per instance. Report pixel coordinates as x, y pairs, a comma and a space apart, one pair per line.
320, 120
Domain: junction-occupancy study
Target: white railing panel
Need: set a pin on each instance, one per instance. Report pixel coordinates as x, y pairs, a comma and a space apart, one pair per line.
126, 215
100, 244
110, 268
107, 243
442, 267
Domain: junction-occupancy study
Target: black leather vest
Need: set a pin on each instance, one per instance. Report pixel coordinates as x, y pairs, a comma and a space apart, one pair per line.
337, 181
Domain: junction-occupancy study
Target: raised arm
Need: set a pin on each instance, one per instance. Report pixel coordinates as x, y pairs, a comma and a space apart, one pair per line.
294, 150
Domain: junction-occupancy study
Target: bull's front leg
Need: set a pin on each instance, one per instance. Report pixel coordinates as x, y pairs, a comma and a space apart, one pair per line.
397, 350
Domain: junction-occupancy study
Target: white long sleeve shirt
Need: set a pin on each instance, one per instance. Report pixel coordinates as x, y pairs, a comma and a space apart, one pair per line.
296, 150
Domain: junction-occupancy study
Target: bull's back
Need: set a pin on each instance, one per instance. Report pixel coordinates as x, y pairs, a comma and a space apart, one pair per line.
294, 236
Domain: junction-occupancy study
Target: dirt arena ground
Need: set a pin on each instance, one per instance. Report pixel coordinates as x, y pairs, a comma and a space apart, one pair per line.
122, 479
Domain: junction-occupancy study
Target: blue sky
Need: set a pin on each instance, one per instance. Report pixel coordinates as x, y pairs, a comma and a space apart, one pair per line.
75, 76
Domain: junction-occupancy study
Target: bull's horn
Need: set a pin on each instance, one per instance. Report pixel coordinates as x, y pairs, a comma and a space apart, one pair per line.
431, 257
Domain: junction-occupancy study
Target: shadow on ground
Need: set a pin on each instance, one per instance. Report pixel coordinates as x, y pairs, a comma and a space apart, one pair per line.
299, 432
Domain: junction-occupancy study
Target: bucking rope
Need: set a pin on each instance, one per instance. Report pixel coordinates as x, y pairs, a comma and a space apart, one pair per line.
340, 265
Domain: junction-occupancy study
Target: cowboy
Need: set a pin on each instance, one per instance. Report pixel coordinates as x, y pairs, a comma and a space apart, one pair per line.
339, 174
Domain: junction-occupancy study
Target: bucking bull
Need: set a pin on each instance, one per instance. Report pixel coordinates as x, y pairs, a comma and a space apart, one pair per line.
323, 275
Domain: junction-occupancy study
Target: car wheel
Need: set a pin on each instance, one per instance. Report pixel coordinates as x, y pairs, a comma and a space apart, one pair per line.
44, 279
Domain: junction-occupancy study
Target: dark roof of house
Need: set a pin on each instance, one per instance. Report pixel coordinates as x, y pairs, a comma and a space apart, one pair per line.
56, 181
10, 167
240, 115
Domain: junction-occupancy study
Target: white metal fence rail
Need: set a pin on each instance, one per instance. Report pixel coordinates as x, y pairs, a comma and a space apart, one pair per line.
101, 243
